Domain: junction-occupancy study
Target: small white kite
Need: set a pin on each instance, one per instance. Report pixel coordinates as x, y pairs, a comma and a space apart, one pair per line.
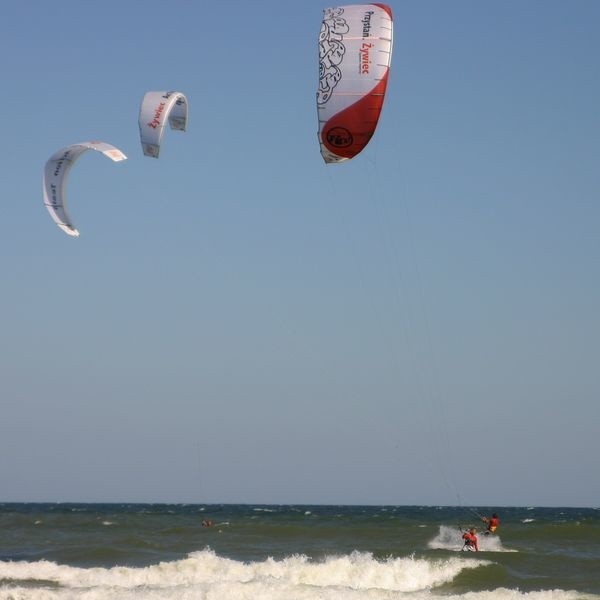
56, 171
155, 109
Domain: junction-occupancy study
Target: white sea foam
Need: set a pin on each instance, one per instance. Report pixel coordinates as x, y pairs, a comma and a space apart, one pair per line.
450, 538
205, 576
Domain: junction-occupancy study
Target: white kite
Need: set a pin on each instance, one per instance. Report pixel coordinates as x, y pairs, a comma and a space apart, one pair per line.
155, 109
355, 51
55, 177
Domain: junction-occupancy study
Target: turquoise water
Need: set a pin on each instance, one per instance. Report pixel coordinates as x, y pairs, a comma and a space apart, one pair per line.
294, 552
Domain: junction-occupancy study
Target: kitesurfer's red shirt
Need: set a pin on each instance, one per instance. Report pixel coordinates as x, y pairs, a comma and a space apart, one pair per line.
493, 524
470, 540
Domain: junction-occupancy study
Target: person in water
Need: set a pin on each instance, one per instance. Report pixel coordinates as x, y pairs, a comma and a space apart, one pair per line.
492, 523
207, 523
470, 538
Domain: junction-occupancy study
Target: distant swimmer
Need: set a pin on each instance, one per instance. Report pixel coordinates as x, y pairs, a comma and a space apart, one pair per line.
492, 523
470, 538
207, 523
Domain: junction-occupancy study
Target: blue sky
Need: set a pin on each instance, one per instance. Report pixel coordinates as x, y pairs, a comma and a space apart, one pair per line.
239, 322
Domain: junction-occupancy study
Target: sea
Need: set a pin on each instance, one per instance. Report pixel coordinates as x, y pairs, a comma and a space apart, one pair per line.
295, 552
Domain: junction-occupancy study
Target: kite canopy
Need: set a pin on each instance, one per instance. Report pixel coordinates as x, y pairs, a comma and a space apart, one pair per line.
355, 51
56, 172
155, 109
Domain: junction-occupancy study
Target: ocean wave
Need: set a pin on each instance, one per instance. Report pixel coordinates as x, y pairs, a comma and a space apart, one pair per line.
204, 575
215, 577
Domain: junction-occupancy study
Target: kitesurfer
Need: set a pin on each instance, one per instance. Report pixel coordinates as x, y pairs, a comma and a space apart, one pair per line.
492, 523
470, 538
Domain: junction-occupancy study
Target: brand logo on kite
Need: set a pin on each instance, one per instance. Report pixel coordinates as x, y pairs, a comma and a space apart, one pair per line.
366, 23
339, 137
365, 60
157, 113
61, 161
54, 197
